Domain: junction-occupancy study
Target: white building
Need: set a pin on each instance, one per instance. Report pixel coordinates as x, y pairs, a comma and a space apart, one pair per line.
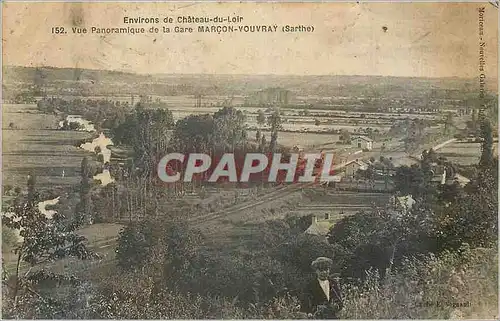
362, 142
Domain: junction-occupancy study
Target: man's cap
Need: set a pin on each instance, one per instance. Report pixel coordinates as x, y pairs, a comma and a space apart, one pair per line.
323, 262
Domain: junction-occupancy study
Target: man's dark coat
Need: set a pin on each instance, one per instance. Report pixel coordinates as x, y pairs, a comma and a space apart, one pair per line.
313, 296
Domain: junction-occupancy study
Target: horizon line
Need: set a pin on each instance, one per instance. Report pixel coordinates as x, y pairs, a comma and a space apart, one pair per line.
257, 74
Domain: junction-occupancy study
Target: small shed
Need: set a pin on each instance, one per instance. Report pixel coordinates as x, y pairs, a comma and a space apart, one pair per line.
363, 142
353, 166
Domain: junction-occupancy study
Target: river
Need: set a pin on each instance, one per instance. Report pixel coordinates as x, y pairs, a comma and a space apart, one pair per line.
42, 207
86, 125
102, 142
105, 177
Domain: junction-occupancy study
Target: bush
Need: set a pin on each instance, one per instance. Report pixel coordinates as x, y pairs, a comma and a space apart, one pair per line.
134, 244
134, 296
7, 189
9, 238
432, 288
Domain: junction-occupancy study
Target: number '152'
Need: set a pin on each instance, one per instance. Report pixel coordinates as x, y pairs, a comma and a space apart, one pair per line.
58, 30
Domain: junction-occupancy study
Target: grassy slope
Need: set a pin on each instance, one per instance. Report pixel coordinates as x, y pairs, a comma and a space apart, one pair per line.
431, 289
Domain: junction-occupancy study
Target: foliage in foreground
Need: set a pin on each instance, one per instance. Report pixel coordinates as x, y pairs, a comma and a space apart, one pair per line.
455, 285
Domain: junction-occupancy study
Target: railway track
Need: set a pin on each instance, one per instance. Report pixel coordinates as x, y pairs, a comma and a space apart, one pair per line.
277, 193
236, 209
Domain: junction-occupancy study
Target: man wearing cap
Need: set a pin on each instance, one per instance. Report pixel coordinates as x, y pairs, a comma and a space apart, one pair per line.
321, 297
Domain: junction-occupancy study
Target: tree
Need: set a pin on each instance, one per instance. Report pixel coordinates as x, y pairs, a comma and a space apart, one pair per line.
229, 129
263, 143
317, 122
430, 156
134, 245
169, 246
75, 126
448, 122
275, 122
261, 117
124, 132
345, 137
380, 238
193, 134
85, 169
44, 240
119, 118
472, 215
31, 185
147, 130
84, 208
486, 159
414, 180
151, 136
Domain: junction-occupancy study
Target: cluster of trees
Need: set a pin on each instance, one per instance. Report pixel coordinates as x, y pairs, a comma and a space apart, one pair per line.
25, 97
176, 262
223, 131
381, 169
71, 126
150, 133
404, 248
102, 113
29, 285
147, 131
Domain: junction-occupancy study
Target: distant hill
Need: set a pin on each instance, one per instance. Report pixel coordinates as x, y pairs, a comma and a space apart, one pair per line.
87, 81
18, 74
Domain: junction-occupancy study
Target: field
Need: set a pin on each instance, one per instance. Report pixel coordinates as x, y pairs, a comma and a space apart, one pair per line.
463, 153
310, 140
33, 144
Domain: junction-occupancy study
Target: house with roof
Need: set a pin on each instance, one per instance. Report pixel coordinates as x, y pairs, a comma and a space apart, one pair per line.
362, 142
321, 224
405, 202
338, 206
438, 174
460, 179
351, 167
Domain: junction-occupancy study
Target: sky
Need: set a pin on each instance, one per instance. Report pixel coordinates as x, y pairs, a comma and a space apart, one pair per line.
419, 40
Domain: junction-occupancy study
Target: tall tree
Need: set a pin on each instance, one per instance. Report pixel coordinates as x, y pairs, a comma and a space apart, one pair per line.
448, 122
275, 122
261, 117
486, 133
193, 134
85, 169
31, 185
345, 137
229, 129
263, 143
84, 208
